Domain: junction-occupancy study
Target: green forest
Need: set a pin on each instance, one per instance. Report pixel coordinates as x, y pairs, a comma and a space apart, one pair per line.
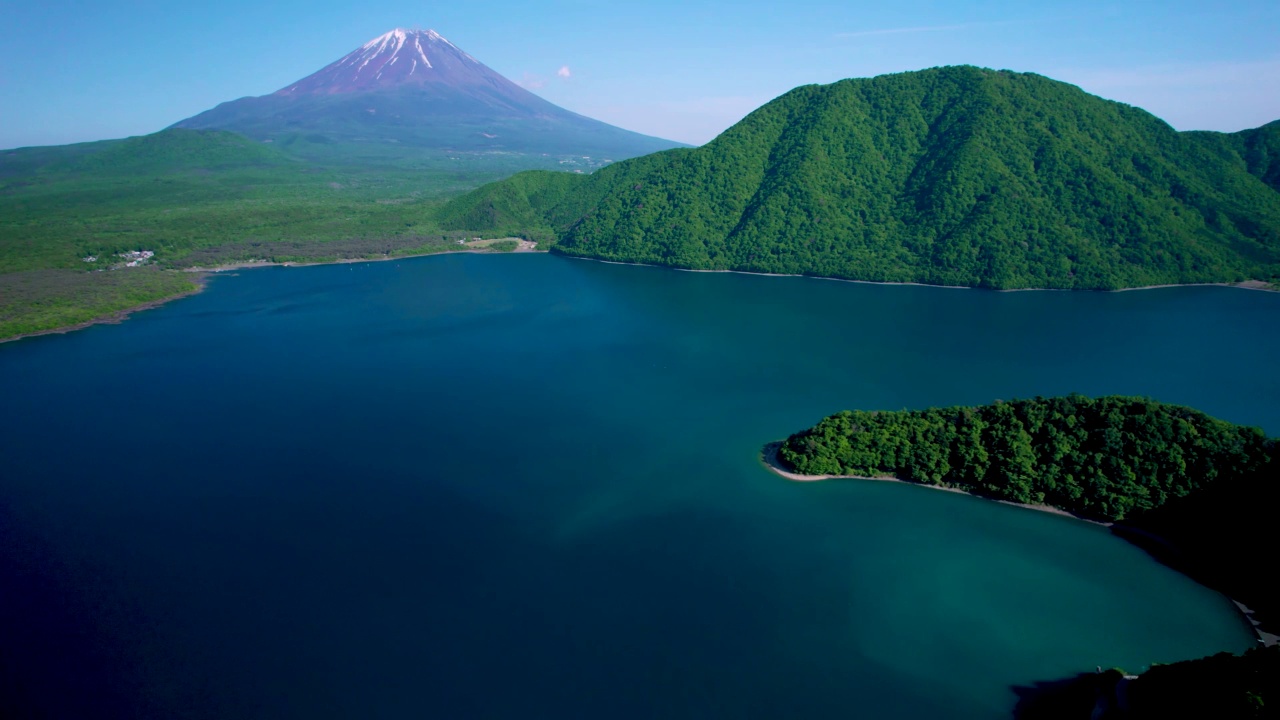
1107, 458
1196, 492
952, 176
205, 198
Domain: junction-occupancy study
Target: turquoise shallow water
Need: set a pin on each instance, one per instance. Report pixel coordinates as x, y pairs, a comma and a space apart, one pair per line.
500, 486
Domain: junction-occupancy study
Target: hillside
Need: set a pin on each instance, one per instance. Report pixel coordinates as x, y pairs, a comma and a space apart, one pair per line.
181, 189
515, 205
1257, 148
1221, 535
174, 150
954, 176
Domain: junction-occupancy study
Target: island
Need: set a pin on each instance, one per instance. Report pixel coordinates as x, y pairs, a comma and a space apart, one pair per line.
1105, 459
1196, 492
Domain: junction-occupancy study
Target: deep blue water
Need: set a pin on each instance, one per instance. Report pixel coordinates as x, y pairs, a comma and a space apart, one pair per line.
525, 486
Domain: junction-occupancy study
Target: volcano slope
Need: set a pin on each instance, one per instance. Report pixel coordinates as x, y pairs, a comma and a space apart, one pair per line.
412, 92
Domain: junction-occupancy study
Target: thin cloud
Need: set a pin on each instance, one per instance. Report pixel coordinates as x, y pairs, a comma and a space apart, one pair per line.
529, 81
928, 28
564, 71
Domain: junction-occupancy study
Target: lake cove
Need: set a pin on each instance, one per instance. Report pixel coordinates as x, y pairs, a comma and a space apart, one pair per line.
524, 485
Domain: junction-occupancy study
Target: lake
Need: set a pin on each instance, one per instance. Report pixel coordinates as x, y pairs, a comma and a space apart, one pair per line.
474, 486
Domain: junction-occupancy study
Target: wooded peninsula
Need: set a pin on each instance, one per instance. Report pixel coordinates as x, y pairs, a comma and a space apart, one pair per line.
1196, 492
1107, 458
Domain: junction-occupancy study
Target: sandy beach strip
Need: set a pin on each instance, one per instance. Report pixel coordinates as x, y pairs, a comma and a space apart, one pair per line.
769, 456
522, 247
770, 459
1245, 285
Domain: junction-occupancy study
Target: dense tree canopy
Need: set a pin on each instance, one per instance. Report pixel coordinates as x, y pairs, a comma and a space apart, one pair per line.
1258, 149
1106, 458
957, 176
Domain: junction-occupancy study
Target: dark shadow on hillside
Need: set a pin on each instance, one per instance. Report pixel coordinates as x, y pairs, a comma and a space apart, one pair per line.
1221, 686
1074, 698
1222, 536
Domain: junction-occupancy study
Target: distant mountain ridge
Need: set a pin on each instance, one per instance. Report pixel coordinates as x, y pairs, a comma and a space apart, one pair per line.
949, 176
413, 89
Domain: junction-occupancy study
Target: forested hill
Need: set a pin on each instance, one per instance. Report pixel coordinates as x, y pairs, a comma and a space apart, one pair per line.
1109, 458
957, 176
1258, 148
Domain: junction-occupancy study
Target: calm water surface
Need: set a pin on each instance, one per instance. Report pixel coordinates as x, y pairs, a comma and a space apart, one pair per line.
525, 486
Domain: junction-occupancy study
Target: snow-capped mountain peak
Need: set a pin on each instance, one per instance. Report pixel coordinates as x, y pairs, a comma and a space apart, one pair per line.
415, 92
394, 58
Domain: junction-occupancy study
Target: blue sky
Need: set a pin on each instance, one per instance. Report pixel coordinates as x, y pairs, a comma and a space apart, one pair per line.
76, 71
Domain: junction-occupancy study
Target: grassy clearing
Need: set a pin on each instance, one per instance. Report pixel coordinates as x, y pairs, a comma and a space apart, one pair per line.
37, 301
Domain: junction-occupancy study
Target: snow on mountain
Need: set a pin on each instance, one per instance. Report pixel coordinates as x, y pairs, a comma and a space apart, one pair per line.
415, 89
397, 58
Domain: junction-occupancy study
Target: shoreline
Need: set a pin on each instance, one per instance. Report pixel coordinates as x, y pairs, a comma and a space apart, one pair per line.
201, 275
472, 250
527, 247
117, 316
1243, 285
1265, 638
769, 456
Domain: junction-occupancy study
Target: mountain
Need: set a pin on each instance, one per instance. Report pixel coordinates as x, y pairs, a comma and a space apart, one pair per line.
173, 150
1258, 148
951, 176
411, 89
